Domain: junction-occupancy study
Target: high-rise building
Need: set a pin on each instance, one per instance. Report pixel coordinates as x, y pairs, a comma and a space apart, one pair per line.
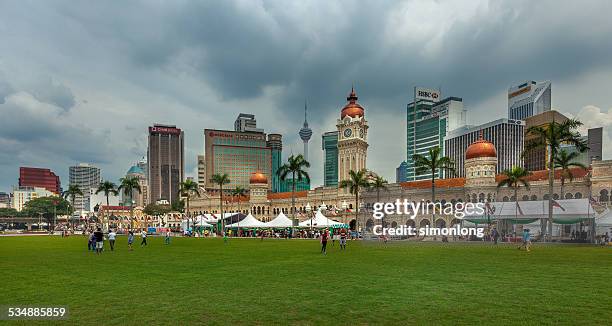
535, 159
137, 198
352, 138
401, 172
5, 200
87, 178
239, 154
330, 158
41, 178
300, 185
528, 98
594, 141
275, 142
305, 133
201, 171
506, 135
245, 123
428, 122
593, 153
166, 162
142, 164
23, 194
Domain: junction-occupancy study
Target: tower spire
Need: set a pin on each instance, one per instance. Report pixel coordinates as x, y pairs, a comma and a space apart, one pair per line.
305, 111
305, 133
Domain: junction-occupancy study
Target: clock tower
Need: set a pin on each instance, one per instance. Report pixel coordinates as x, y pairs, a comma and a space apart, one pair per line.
352, 138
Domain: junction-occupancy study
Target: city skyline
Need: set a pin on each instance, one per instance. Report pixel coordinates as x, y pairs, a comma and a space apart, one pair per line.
64, 109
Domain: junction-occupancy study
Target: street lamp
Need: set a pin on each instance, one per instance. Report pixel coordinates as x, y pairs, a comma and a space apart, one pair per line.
308, 211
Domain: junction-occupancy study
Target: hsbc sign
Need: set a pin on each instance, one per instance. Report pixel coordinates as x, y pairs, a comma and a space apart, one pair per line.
428, 94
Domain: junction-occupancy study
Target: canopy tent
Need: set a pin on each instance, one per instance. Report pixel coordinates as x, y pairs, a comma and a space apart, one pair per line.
214, 218
320, 221
603, 223
568, 211
248, 222
203, 224
281, 221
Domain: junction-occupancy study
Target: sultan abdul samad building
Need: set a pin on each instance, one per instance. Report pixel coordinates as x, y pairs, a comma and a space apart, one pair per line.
478, 185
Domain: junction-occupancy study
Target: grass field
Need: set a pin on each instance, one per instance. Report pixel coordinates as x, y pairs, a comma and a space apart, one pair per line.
280, 281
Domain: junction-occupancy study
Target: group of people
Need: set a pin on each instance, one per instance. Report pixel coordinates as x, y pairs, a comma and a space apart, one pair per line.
325, 235
96, 238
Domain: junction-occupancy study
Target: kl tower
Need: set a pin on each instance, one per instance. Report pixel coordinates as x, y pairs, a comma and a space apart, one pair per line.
305, 133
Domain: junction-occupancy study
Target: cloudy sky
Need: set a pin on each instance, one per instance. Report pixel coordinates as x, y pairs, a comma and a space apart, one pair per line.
80, 81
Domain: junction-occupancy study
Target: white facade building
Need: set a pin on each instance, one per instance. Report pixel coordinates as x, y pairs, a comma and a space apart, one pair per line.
22, 195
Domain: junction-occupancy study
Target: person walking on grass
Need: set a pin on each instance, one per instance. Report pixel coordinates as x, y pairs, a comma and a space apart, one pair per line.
526, 241
167, 238
143, 235
111, 239
130, 239
324, 238
99, 237
343, 236
91, 242
495, 235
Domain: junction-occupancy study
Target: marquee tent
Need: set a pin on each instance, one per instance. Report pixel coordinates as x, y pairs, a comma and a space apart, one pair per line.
281, 221
568, 211
320, 221
214, 218
603, 223
248, 222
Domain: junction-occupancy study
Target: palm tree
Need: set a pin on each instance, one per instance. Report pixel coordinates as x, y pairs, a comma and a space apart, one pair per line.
356, 181
379, 183
221, 179
296, 167
107, 188
433, 163
72, 192
186, 189
514, 178
565, 161
239, 192
551, 137
127, 185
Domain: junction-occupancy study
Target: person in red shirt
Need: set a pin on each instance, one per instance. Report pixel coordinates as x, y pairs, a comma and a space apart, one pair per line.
324, 238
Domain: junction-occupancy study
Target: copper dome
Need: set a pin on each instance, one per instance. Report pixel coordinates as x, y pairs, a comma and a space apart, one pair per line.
480, 148
258, 177
352, 109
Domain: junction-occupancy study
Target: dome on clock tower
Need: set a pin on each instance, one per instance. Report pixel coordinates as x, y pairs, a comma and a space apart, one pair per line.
352, 108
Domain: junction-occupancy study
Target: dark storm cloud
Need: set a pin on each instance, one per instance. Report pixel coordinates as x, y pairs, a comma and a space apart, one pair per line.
318, 50
198, 63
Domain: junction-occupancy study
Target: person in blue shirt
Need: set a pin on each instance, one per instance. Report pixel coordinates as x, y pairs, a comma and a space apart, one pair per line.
526, 240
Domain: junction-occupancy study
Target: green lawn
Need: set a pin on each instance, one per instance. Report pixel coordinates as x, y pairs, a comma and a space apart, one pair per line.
280, 281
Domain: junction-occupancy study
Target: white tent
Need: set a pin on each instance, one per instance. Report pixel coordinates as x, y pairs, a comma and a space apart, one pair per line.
248, 222
202, 223
214, 218
564, 211
603, 223
281, 221
320, 221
